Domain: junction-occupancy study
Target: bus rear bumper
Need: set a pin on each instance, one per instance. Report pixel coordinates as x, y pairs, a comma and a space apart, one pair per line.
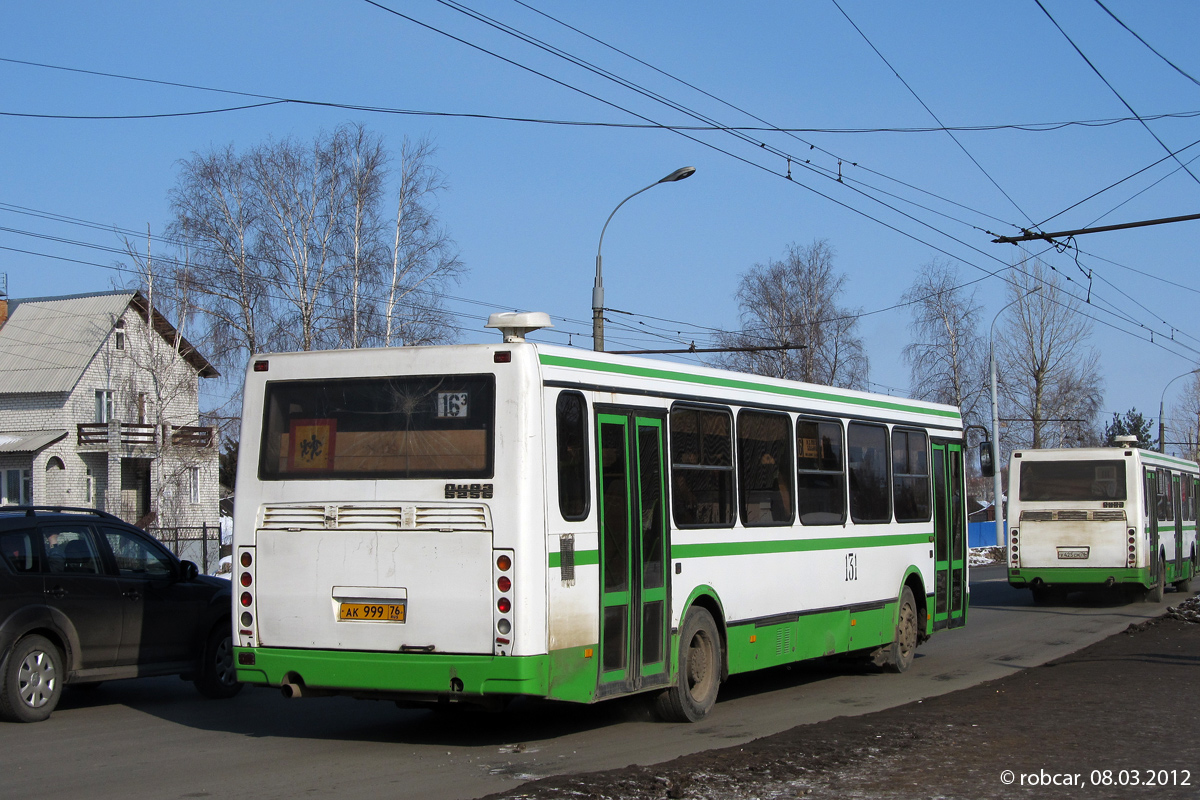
398, 676
1024, 577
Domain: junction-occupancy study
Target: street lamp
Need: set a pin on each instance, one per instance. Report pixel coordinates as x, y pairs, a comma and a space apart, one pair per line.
996, 488
1162, 429
598, 288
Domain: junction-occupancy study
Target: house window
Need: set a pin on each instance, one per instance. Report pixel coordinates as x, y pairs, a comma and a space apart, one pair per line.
91, 487
16, 487
194, 485
119, 335
104, 405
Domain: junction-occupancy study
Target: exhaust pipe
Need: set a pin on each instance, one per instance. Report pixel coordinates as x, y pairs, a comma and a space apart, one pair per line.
291, 690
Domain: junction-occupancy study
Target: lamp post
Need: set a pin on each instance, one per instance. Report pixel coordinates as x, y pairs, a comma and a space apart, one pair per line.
996, 487
598, 287
1162, 428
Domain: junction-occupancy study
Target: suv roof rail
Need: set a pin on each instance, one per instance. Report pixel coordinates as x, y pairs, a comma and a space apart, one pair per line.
32, 511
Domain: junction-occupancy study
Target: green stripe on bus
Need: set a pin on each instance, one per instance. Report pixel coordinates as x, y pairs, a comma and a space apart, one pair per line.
1148, 455
731, 383
582, 558
708, 550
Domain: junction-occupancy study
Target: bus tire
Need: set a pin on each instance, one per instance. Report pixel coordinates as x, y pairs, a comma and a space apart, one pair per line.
1184, 585
1041, 594
32, 680
1155, 594
218, 675
900, 653
699, 675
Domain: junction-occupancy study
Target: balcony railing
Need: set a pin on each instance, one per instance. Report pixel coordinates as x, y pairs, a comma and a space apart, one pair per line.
191, 435
131, 434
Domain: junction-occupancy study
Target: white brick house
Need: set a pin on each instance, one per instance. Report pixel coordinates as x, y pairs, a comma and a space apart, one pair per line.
99, 407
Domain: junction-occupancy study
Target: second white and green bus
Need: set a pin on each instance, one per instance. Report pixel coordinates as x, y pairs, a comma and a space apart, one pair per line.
479, 522
1102, 516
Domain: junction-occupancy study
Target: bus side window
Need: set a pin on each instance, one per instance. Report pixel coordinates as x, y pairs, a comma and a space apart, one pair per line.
571, 425
820, 472
1166, 512
701, 468
910, 475
764, 467
867, 449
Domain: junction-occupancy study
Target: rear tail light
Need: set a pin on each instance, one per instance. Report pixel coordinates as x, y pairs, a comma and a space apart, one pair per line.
503, 578
246, 633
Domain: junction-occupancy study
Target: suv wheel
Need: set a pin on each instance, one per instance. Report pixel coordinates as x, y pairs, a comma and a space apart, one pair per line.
218, 676
32, 681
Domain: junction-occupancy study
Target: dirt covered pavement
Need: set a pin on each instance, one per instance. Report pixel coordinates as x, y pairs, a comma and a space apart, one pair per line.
1118, 719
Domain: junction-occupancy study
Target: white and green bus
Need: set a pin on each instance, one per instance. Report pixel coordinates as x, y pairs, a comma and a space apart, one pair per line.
1101, 516
471, 523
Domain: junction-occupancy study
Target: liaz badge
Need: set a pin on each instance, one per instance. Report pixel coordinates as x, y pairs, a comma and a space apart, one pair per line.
310, 444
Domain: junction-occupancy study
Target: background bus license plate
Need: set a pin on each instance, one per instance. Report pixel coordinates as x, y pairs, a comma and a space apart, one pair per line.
372, 612
1081, 552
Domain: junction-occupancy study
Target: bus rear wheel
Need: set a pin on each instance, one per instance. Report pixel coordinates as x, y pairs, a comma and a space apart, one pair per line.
699, 675
1155, 594
898, 656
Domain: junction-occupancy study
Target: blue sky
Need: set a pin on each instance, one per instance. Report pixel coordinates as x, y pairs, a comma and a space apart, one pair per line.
527, 201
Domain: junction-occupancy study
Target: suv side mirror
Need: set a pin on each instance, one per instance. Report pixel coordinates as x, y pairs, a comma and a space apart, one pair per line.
986, 467
188, 571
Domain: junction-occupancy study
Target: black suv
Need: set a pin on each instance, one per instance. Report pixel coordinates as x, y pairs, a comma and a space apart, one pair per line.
86, 597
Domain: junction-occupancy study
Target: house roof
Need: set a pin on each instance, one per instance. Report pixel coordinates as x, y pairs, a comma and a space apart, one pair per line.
29, 441
47, 342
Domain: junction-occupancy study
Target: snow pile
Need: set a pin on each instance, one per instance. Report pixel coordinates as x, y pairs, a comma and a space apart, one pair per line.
1187, 611
985, 556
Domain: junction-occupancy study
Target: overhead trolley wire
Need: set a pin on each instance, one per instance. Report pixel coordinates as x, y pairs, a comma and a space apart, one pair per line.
1113, 89
931, 112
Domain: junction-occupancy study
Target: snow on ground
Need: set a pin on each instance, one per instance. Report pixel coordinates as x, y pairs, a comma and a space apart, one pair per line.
985, 556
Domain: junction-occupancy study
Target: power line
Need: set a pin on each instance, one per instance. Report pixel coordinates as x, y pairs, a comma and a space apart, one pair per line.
1031, 127
1113, 89
930, 110
1168, 61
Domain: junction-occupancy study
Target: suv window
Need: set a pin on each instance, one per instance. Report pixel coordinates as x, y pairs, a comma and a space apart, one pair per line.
135, 556
19, 550
70, 549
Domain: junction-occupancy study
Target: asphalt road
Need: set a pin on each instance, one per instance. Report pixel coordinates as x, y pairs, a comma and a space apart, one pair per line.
159, 738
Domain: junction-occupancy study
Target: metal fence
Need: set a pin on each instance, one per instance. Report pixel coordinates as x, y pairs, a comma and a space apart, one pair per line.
201, 544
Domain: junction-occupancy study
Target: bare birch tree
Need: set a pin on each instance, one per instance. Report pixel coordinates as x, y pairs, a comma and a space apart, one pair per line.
795, 301
424, 257
946, 359
161, 388
289, 245
1049, 376
1183, 423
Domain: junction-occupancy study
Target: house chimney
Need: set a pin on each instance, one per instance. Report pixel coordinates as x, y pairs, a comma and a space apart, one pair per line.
3, 311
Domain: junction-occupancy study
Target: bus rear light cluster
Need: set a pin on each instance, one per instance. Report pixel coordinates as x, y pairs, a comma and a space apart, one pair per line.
245, 600
502, 588
1014, 555
1131, 561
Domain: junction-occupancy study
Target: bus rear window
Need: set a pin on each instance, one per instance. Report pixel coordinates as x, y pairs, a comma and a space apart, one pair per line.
1058, 481
397, 427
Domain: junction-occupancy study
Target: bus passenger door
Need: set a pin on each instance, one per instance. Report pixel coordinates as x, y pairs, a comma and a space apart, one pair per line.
633, 535
959, 589
1151, 508
949, 537
1177, 507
